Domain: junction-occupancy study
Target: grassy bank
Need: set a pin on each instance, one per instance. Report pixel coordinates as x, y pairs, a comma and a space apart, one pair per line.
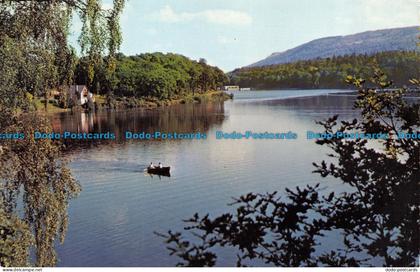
151, 102
39, 105
120, 103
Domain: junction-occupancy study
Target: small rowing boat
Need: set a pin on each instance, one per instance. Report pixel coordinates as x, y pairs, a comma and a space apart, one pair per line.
161, 171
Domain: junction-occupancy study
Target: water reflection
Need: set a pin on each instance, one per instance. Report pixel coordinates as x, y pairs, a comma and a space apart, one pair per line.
190, 118
113, 220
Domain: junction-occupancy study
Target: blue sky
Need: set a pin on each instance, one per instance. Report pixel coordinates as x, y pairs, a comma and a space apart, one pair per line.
235, 33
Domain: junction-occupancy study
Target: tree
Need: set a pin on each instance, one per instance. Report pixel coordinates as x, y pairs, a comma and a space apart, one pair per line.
34, 170
15, 240
377, 218
35, 182
329, 73
164, 76
100, 32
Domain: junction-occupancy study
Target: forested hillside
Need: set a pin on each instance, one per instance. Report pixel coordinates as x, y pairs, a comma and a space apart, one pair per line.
159, 75
329, 72
369, 42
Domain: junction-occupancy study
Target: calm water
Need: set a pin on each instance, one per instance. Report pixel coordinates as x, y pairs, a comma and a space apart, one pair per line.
112, 221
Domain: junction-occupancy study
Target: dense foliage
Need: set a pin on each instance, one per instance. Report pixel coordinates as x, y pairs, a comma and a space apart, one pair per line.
375, 222
159, 75
329, 72
35, 178
35, 182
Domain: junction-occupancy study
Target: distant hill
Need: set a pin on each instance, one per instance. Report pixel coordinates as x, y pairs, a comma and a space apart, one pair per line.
370, 42
329, 73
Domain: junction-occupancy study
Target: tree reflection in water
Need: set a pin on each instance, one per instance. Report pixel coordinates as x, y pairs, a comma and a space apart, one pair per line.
186, 118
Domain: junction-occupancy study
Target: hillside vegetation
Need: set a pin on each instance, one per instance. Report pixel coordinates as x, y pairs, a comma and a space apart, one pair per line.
329, 72
369, 42
157, 75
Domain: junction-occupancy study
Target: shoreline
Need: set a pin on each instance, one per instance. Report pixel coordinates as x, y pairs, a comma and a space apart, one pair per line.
127, 103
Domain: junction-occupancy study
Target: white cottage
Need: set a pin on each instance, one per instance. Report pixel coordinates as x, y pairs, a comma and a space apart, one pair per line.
81, 95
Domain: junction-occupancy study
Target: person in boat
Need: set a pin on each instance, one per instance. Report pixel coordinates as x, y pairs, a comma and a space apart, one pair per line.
151, 166
160, 165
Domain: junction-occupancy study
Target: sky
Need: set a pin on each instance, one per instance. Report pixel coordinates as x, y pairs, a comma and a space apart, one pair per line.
235, 33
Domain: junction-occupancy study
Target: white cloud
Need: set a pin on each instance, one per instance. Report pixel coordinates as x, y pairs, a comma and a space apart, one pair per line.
390, 13
228, 17
226, 40
214, 16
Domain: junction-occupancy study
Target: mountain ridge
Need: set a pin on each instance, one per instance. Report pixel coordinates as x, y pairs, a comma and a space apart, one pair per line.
367, 42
